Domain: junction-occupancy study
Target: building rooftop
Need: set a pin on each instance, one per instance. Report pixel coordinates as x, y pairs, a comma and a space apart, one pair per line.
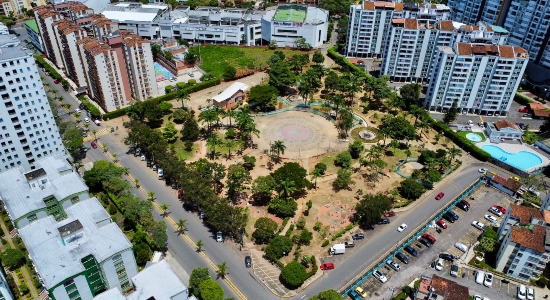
58, 256
503, 51
11, 48
20, 197
525, 214
230, 91
509, 183
123, 12
32, 25
370, 5
290, 13
532, 237
499, 125
450, 289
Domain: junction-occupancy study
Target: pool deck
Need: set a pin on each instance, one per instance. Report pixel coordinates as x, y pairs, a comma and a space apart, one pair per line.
514, 148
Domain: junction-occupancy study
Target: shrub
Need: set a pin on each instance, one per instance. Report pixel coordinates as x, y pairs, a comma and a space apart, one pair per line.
519, 98
301, 223
460, 141
48, 68
289, 230
343, 159
321, 168
249, 162
325, 243
115, 114
285, 220
341, 232
112, 209
24, 289
542, 281
191, 82
293, 275
91, 108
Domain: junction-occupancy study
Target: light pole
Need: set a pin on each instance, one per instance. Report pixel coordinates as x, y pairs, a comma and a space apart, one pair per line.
392, 290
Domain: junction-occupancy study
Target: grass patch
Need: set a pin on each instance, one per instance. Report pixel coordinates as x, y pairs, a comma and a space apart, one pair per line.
328, 159
217, 58
182, 154
464, 133
481, 264
356, 137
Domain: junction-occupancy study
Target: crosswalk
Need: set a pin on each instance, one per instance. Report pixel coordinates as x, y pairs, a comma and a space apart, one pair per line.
99, 133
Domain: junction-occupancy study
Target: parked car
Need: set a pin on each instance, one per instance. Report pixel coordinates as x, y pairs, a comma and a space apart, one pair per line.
522, 291
523, 110
495, 211
429, 238
447, 256
149, 162
81, 106
402, 257
155, 168
94, 145
411, 250
353, 295
480, 277
393, 265
248, 262
359, 290
478, 225
327, 266
358, 236
530, 294
491, 219
378, 275
527, 116
454, 270
461, 247
500, 208
143, 157
532, 190
463, 206
439, 196
160, 173
389, 214
425, 242
86, 120
488, 282
384, 221
454, 215
466, 203
56, 81
439, 264
219, 237
137, 152
402, 227
441, 224
447, 216
483, 170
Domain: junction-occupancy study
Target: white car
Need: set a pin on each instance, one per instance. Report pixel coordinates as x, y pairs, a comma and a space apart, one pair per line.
495, 211
77, 110
488, 282
219, 237
86, 120
394, 265
483, 170
454, 270
530, 294
480, 277
477, 297
478, 225
532, 190
521, 292
491, 219
439, 264
378, 275
402, 227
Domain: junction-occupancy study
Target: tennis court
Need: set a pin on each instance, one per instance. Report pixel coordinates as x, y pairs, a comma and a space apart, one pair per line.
290, 13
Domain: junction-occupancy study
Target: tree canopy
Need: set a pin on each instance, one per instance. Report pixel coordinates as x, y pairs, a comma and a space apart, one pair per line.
100, 172
197, 276
264, 95
371, 207
210, 290
293, 275
278, 247
265, 230
293, 172
411, 189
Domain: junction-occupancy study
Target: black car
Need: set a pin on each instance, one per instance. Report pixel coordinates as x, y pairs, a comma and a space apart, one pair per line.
411, 250
425, 242
447, 256
402, 257
132, 149
149, 163
81, 106
447, 216
248, 261
384, 221
358, 236
462, 206
454, 215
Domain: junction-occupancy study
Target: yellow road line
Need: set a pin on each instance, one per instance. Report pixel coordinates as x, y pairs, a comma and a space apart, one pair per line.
226, 279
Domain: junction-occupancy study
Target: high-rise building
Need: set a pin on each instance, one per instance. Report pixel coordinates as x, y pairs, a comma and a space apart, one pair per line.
370, 23
27, 126
139, 62
45, 18
465, 11
16, 6
482, 79
67, 35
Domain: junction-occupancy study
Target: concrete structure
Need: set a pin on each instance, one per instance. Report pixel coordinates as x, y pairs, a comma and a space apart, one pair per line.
3, 29
34, 35
27, 126
439, 288
525, 242
370, 23
482, 79
156, 281
82, 255
292, 21
16, 6
138, 56
67, 34
48, 190
231, 96
503, 130
176, 65
481, 33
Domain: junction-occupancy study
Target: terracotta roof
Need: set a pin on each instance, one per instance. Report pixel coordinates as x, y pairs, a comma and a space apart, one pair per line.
509, 183
535, 106
411, 24
464, 49
368, 5
546, 215
519, 50
478, 49
541, 113
446, 25
506, 51
529, 238
398, 21
399, 6
449, 288
505, 124
489, 29
524, 214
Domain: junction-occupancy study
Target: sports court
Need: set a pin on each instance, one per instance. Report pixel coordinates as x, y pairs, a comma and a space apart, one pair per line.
290, 13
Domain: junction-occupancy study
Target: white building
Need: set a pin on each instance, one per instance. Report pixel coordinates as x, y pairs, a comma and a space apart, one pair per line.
465, 11
48, 190
81, 255
291, 21
525, 242
34, 35
502, 131
157, 281
5, 292
370, 23
482, 79
481, 33
27, 126
411, 44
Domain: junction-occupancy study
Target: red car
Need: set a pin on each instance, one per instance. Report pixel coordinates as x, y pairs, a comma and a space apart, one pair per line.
429, 238
523, 110
94, 145
327, 266
441, 224
465, 203
56, 81
389, 214
180, 193
439, 196
502, 209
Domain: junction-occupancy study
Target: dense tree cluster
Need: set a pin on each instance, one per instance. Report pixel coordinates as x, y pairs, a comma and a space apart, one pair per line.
371, 207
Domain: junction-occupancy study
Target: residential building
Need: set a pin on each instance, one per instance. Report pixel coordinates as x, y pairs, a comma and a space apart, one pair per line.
503, 130
67, 35
465, 11
506, 185
538, 110
156, 281
481, 33
5, 7
27, 126
176, 64
482, 79
5, 293
370, 23
410, 47
292, 21
231, 96
34, 35
525, 242
48, 190
16, 6
45, 16
82, 255
4, 29
439, 288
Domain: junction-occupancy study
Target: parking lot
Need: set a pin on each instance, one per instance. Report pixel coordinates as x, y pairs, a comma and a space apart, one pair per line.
461, 231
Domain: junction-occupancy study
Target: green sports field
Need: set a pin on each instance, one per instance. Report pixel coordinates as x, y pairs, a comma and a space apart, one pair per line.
290, 13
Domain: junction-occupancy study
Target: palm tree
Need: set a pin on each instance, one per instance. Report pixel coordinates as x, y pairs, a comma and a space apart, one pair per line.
208, 116
229, 144
105, 147
60, 99
47, 86
86, 126
54, 92
219, 112
279, 147
199, 245
394, 144
314, 175
151, 195
337, 100
183, 96
231, 114
222, 269
346, 116
115, 155
354, 86
212, 142
287, 188
454, 152
94, 132
67, 105
182, 225
136, 181
164, 209
77, 116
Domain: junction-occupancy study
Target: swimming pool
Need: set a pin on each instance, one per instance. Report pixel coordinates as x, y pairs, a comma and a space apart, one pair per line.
161, 71
473, 137
522, 160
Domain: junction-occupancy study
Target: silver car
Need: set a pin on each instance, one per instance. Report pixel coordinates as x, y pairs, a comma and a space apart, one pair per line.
454, 270
378, 275
394, 265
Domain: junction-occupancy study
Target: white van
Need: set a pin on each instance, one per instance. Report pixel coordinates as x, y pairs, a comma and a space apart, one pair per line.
97, 122
480, 277
461, 247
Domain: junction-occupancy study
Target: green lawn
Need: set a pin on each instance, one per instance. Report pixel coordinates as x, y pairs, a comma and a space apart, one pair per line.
215, 59
185, 155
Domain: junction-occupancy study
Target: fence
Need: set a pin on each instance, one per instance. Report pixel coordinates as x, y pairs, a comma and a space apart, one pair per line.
406, 241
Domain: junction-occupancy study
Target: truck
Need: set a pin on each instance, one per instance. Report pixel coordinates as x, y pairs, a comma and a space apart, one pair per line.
337, 249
